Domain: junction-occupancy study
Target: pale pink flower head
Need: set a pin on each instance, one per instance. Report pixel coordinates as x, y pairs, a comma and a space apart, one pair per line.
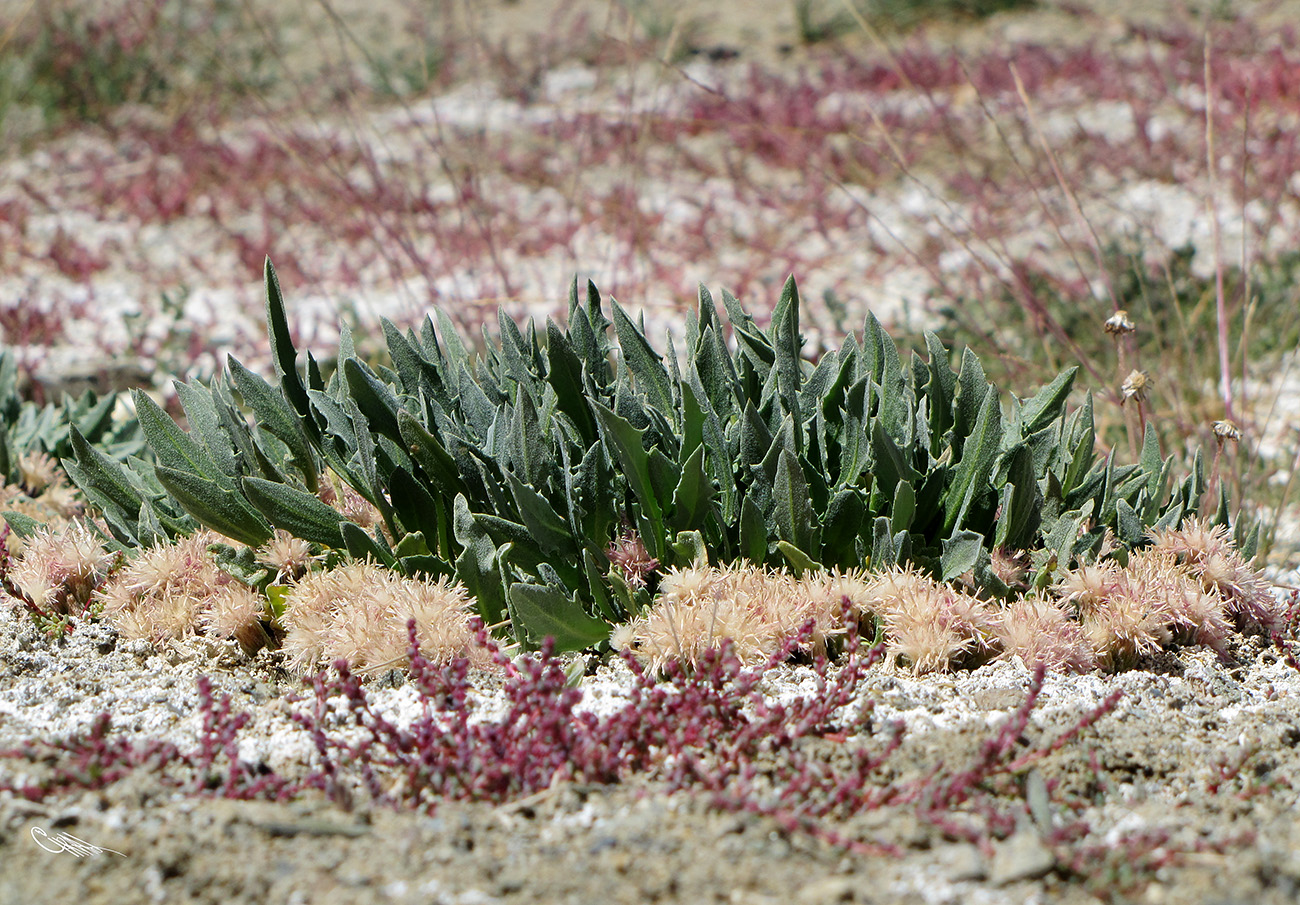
59, 570
290, 556
1210, 555
175, 589
1041, 632
930, 625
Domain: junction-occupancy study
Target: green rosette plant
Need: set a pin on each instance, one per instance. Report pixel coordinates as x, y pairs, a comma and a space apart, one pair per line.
557, 472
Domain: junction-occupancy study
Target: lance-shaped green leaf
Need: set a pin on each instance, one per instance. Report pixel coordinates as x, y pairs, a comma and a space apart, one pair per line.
884, 553
22, 524
600, 591
413, 372
477, 567
374, 398
274, 414
644, 362
754, 348
972, 390
904, 507
300, 513
219, 508
175, 448
1047, 404
564, 373
1021, 502
431, 455
361, 545
624, 442
541, 611
107, 485
416, 506
799, 561
840, 530
149, 528
545, 525
891, 466
785, 343
693, 496
942, 390
1128, 525
894, 410
793, 509
283, 352
961, 553
978, 456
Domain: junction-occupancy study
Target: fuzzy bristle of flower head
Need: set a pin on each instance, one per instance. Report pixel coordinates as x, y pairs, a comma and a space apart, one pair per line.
895, 588
1194, 541
1189, 608
289, 555
624, 636
1209, 554
933, 626
441, 611
1090, 585
853, 587
690, 584
1011, 567
183, 566
1041, 632
922, 636
161, 619
1247, 594
629, 554
360, 612
62, 498
60, 569
1126, 627
37, 471
236, 611
682, 630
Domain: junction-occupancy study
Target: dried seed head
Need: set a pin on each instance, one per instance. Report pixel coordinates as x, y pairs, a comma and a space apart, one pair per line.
1119, 324
1226, 430
1136, 386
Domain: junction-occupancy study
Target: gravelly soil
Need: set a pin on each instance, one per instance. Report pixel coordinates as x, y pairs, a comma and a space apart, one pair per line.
1147, 768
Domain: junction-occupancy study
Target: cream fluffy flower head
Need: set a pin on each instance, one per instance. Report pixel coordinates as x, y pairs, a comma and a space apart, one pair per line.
359, 612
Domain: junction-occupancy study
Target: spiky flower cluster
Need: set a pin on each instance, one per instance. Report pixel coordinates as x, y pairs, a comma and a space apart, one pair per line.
1190, 585
756, 609
42, 492
1209, 554
360, 612
176, 589
290, 556
59, 569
